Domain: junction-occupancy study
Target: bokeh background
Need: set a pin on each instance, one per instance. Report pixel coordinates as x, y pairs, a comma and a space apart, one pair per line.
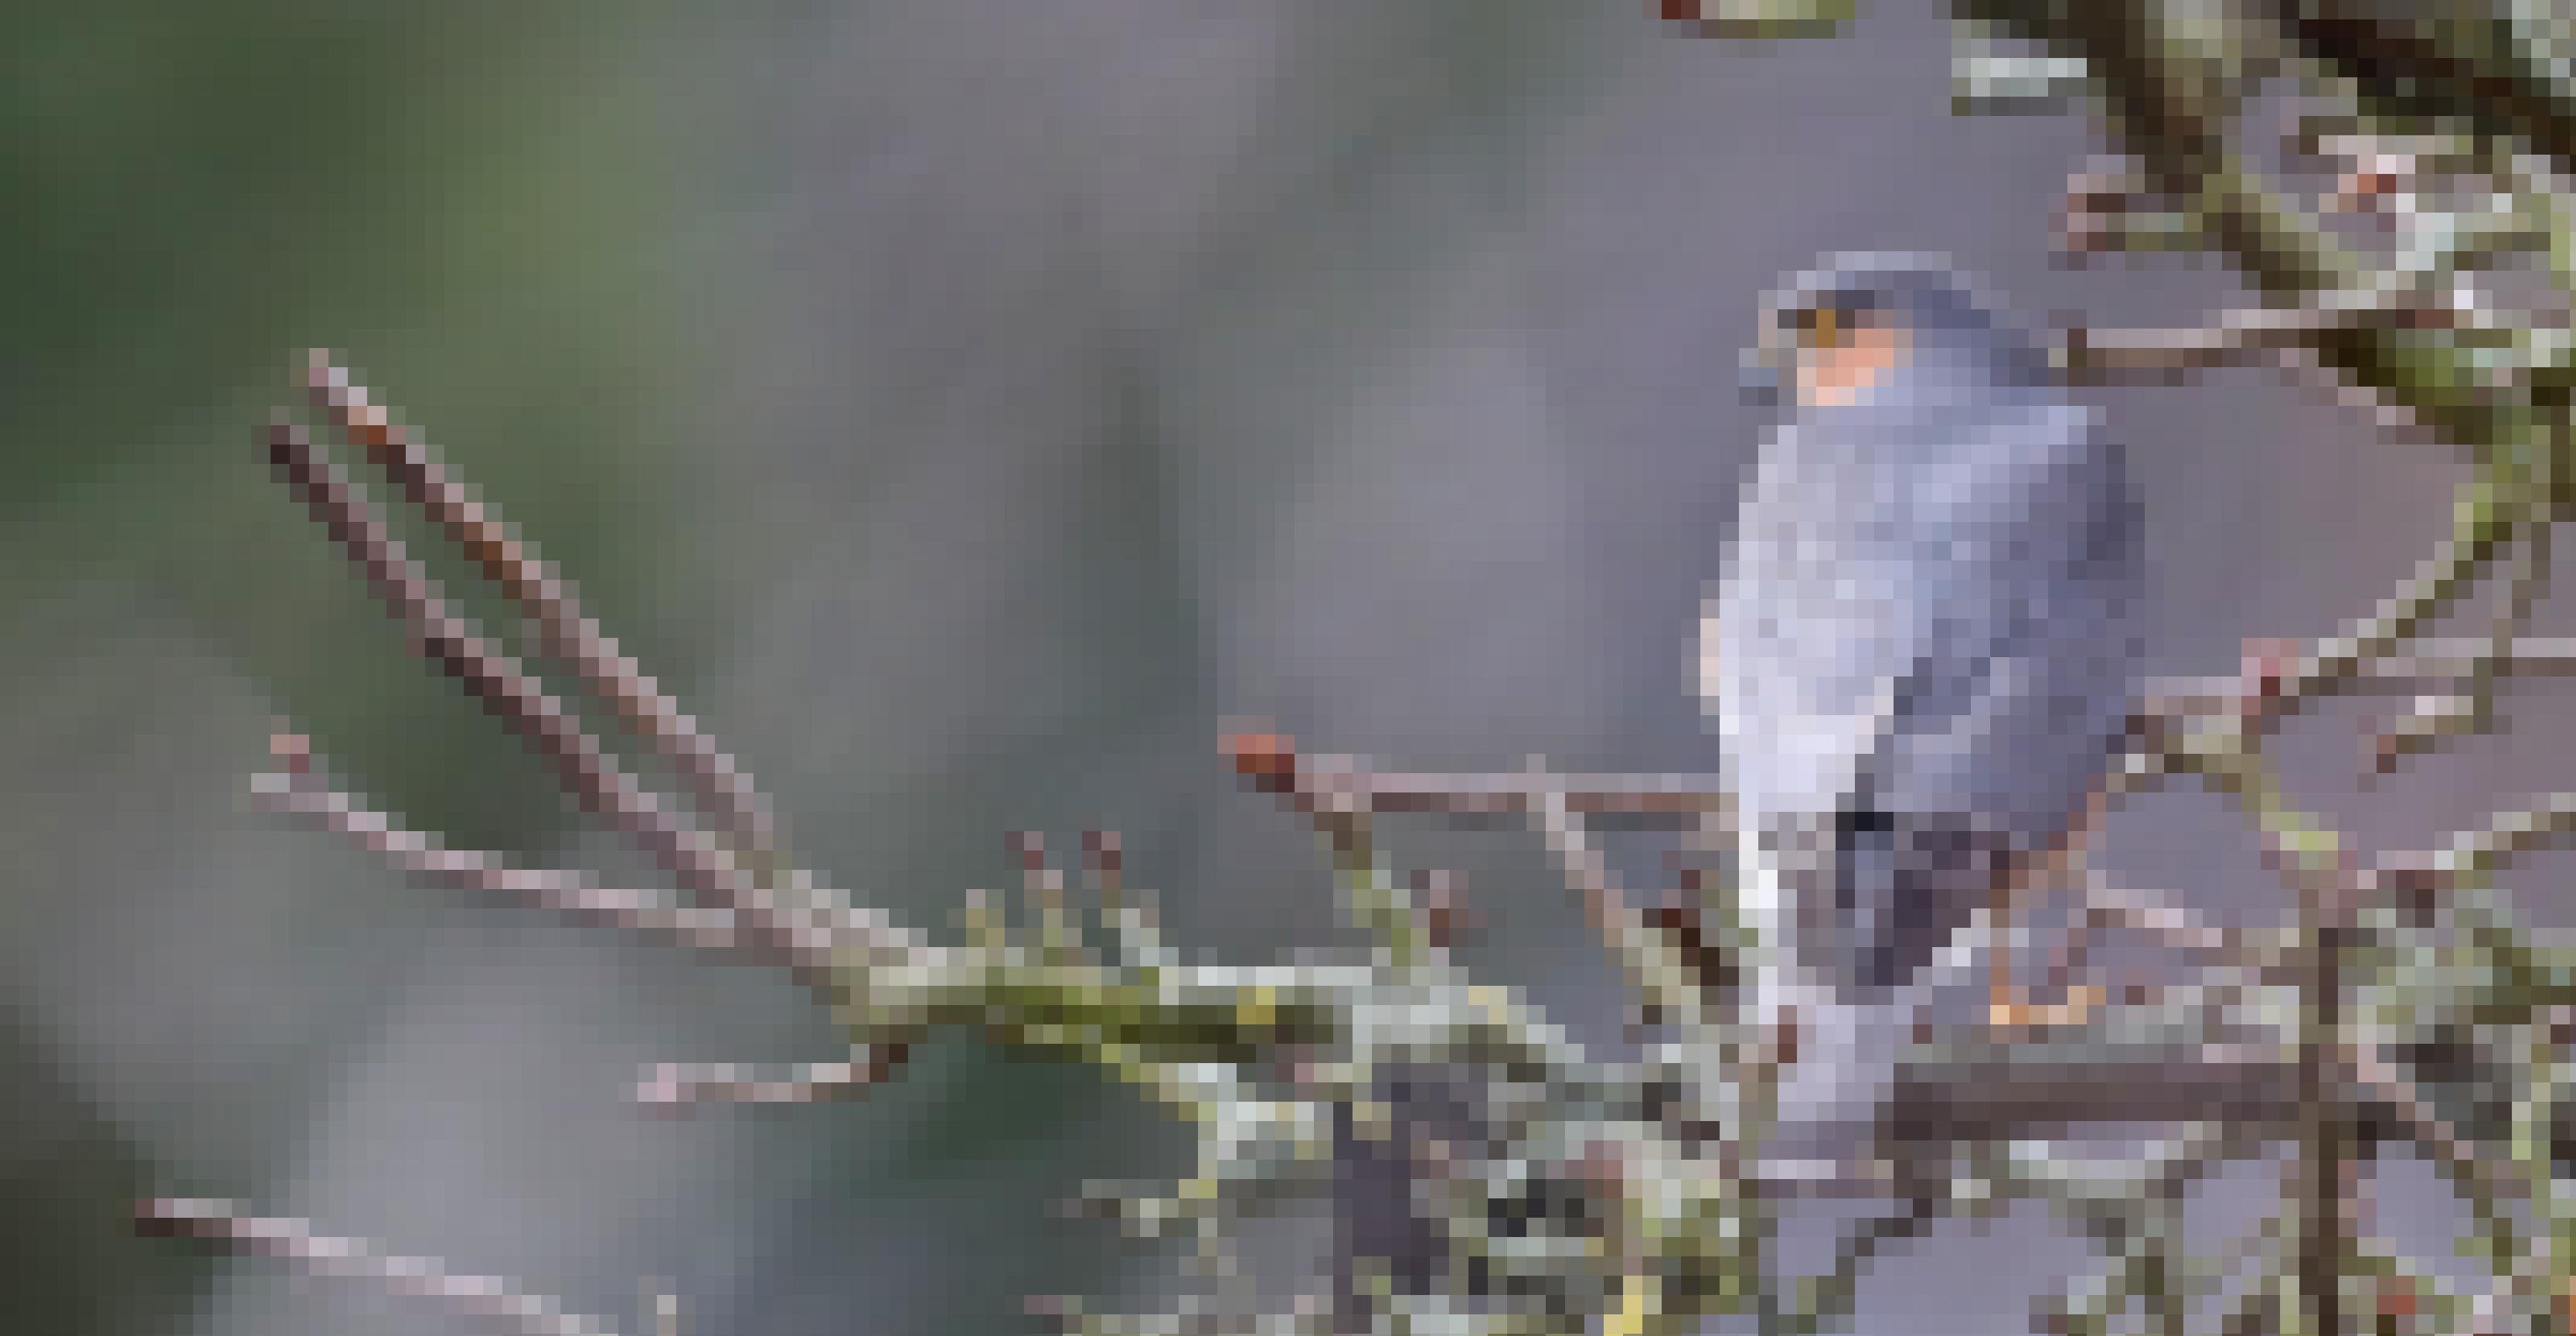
964, 405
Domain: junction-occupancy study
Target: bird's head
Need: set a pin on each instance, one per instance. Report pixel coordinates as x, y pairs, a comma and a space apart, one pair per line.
1839, 330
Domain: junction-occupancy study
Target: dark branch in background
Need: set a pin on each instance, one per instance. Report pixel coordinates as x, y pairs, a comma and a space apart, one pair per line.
2457, 61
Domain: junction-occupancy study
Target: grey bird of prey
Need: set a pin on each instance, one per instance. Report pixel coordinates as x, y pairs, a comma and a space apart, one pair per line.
1920, 654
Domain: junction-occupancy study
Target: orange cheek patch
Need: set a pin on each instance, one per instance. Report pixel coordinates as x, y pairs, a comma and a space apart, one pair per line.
1830, 377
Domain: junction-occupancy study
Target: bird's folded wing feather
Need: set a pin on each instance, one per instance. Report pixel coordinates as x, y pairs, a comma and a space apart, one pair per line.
1945, 635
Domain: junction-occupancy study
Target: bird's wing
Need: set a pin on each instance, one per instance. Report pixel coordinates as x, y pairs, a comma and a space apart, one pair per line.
1948, 663
2025, 652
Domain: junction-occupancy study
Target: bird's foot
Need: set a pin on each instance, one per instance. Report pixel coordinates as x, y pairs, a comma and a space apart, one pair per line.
2007, 1011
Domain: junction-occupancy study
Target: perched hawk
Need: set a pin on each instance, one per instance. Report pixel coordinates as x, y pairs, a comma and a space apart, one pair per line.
1920, 655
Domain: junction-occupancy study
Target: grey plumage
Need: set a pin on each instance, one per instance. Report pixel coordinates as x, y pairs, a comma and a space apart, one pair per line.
1921, 650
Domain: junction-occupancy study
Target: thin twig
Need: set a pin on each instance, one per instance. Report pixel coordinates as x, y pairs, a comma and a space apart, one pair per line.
2448, 658
2484, 1187
547, 601
1653, 967
2176, 924
1043, 884
1127, 914
2101, 905
563, 892
2467, 704
2316, 862
2372, 657
1829, 1296
2090, 355
2260, 1257
1341, 813
486, 1299
583, 766
673, 1085
2109, 207
1273, 764
1104, 868
2476, 855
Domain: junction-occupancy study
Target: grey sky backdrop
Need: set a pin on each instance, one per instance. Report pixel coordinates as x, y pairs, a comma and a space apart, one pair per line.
966, 404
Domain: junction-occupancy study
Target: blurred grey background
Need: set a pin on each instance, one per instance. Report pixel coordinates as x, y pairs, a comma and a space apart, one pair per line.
964, 405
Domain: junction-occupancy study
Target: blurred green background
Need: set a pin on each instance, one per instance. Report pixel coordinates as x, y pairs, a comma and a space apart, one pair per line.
486, 209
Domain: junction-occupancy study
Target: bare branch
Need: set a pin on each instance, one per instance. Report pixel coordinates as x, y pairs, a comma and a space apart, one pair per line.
2481, 523
1650, 960
1127, 915
1104, 867
2476, 856
717, 784
1988, 1088
2175, 924
1341, 783
2467, 704
1042, 882
2441, 659
2481, 1184
2099, 356
489, 1300
2373, 656
581, 764
679, 1086
424, 855
2109, 206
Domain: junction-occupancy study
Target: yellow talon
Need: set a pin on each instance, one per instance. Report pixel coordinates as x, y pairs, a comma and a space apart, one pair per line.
2005, 1014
